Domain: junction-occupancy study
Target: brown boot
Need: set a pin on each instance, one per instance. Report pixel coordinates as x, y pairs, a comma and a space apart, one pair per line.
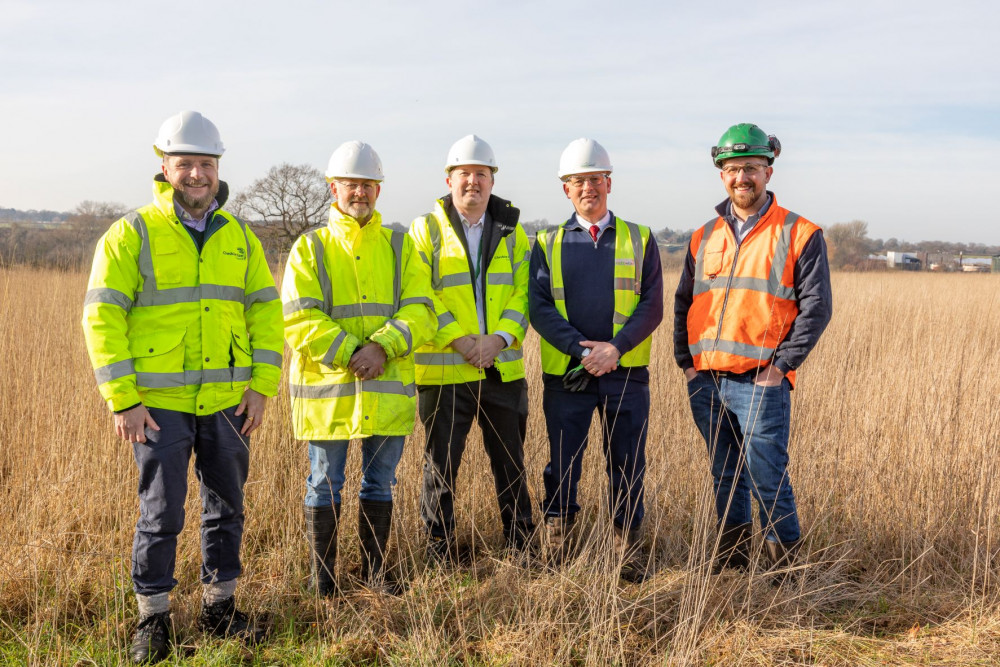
559, 536
780, 559
634, 563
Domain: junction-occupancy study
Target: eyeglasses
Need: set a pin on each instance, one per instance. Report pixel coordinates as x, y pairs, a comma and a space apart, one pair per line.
579, 181
350, 187
748, 169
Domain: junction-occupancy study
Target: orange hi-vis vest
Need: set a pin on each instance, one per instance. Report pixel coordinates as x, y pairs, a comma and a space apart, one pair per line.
743, 302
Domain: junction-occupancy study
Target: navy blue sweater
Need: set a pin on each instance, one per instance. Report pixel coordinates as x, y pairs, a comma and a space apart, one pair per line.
588, 278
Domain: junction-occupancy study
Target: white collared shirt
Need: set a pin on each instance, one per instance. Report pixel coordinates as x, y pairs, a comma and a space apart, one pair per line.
474, 240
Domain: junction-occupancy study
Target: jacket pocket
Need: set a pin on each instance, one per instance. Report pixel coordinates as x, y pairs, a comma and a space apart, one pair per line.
166, 261
159, 353
240, 357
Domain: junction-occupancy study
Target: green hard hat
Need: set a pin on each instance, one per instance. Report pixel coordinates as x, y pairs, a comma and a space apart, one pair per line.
746, 139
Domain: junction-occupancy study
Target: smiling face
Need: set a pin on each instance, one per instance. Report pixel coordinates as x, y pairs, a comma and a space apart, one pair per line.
356, 197
589, 194
470, 186
195, 179
746, 181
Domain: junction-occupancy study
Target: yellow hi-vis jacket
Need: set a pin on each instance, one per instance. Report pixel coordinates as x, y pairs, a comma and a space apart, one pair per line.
505, 273
177, 329
346, 285
630, 247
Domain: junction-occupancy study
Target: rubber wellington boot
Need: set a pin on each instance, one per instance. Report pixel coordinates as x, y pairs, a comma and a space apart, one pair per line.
735, 540
374, 523
321, 532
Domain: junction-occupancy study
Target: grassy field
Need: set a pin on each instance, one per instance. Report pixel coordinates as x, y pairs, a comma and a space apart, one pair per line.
895, 460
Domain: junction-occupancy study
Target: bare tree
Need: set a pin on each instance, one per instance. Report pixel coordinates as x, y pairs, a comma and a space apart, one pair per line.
849, 244
291, 199
96, 214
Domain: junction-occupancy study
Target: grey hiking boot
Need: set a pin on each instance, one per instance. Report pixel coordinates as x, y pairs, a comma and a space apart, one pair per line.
151, 642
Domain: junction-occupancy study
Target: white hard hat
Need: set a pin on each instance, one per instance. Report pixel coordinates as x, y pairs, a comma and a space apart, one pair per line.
354, 159
470, 149
583, 156
188, 132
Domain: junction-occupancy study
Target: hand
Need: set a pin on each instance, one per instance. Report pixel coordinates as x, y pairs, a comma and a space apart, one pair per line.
479, 350
771, 376
131, 425
603, 357
368, 361
464, 345
690, 373
253, 403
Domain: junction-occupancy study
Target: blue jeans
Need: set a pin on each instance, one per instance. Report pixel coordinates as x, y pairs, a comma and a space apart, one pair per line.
746, 429
221, 464
380, 455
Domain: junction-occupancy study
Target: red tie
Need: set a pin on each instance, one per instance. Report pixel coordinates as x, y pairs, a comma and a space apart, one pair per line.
593, 233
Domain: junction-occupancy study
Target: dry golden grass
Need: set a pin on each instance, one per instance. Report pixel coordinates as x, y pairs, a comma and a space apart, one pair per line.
895, 457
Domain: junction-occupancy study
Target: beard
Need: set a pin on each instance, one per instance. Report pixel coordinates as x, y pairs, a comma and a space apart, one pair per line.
191, 202
745, 198
360, 211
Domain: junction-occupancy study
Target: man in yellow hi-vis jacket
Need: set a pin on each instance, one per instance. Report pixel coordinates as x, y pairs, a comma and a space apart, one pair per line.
183, 326
357, 302
473, 369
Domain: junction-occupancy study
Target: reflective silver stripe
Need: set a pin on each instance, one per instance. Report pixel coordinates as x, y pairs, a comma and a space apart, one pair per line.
455, 280
267, 357
404, 329
439, 358
559, 293
261, 296
701, 285
637, 253
175, 295
396, 240
351, 389
500, 278
193, 378
305, 303
222, 292
409, 301
364, 309
732, 347
445, 319
514, 316
325, 286
624, 284
514, 264
510, 355
434, 229
423, 256
619, 318
331, 354
114, 371
767, 286
781, 258
145, 253
109, 296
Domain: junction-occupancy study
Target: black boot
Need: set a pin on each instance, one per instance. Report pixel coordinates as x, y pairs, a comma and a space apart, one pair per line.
519, 538
780, 559
321, 532
734, 547
152, 639
374, 522
223, 620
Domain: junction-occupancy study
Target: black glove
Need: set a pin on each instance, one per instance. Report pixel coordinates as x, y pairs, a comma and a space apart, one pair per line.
576, 379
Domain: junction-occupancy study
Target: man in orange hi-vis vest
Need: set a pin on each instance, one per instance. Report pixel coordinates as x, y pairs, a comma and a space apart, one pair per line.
751, 304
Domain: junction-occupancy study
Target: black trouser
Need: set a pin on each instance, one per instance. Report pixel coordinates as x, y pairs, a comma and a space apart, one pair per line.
447, 412
221, 462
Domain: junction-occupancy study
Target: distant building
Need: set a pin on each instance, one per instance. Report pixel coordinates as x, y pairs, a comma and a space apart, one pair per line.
902, 261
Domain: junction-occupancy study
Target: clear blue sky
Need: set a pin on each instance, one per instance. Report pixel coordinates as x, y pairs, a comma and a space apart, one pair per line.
887, 113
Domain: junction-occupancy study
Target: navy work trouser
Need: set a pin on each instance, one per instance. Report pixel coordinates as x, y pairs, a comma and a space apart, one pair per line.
623, 408
222, 459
